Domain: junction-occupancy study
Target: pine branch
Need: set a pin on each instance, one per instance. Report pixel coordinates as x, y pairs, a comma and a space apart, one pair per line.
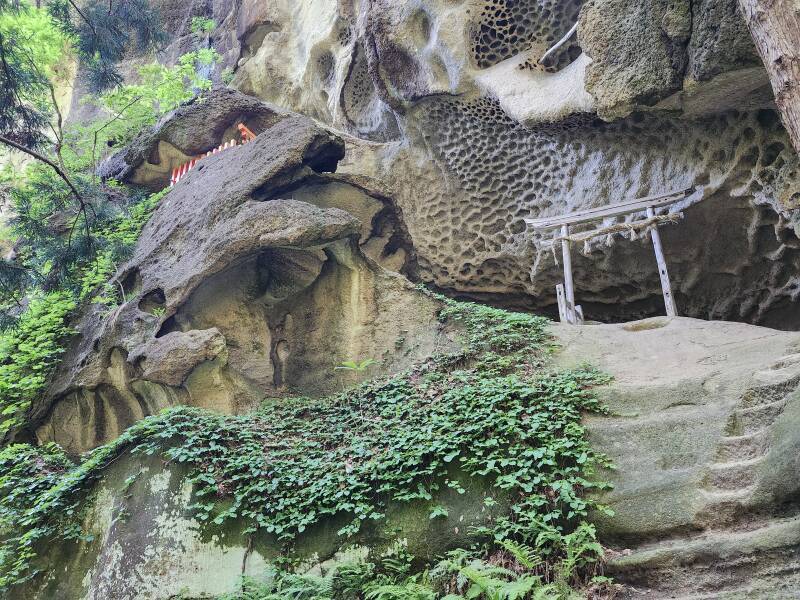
81, 201
83, 16
47, 161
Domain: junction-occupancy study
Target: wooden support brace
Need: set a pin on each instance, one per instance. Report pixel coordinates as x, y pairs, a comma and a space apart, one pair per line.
666, 288
562, 303
569, 289
247, 135
558, 44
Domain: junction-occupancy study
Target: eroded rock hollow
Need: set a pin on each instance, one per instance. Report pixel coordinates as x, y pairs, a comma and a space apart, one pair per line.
257, 275
476, 135
407, 142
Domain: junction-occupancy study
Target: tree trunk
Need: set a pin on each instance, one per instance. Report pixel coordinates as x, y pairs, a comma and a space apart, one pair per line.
775, 27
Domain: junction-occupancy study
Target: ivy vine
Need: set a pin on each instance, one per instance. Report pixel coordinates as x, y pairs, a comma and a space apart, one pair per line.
494, 410
30, 352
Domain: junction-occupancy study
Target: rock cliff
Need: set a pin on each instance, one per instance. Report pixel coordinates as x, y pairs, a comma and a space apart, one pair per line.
253, 279
474, 135
407, 142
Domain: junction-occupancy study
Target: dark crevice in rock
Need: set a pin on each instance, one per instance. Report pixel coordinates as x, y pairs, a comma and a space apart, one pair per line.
321, 158
324, 158
169, 325
131, 283
252, 39
153, 301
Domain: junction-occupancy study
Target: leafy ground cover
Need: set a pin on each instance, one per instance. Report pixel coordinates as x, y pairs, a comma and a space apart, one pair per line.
494, 410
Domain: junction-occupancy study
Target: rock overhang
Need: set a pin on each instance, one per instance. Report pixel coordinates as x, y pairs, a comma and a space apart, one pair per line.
469, 150
237, 291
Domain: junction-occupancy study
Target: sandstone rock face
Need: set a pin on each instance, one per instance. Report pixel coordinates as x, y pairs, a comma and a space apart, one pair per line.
703, 431
672, 55
263, 268
191, 130
158, 550
248, 282
468, 135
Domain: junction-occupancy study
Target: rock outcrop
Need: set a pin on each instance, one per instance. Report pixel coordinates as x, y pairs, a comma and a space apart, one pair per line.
693, 57
450, 111
705, 499
247, 283
703, 431
436, 133
149, 545
191, 130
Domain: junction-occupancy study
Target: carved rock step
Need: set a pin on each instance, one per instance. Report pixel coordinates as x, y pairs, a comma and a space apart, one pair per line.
724, 507
782, 370
757, 564
766, 394
733, 475
746, 421
742, 447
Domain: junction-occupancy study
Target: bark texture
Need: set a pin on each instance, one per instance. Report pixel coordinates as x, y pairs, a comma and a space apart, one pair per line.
775, 26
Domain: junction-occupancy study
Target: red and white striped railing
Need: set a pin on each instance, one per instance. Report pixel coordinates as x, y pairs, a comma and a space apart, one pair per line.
179, 172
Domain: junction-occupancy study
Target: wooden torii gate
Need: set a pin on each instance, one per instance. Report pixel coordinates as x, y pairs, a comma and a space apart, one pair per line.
568, 311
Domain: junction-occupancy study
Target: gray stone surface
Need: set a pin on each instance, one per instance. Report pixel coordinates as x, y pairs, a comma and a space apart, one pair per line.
248, 282
190, 130
148, 545
704, 433
467, 136
645, 52
638, 50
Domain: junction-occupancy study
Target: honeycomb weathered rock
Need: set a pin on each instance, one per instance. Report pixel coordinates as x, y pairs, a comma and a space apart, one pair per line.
505, 28
471, 236
437, 83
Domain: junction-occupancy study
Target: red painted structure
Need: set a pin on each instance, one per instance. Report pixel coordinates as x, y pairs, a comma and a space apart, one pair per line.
179, 172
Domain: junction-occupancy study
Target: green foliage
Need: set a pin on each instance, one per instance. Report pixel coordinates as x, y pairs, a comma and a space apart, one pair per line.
27, 475
31, 47
410, 589
105, 31
203, 25
345, 582
32, 343
66, 244
117, 240
357, 366
33, 41
227, 75
37, 36
30, 352
57, 253
512, 571
66, 218
493, 411
136, 106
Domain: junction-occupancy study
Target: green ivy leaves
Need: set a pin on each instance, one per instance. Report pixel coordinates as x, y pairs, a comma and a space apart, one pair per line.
493, 411
30, 352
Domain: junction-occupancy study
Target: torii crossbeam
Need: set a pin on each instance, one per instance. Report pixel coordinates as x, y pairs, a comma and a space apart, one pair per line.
568, 311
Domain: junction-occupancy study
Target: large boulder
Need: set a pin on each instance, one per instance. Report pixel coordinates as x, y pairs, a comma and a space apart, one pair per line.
695, 57
703, 431
248, 282
193, 129
147, 544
